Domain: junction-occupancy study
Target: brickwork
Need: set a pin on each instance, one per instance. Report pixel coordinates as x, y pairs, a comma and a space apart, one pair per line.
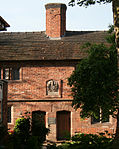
55, 20
32, 83
29, 94
51, 108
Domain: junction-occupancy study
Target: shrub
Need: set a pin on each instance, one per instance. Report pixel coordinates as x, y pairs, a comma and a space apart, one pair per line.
23, 137
92, 140
87, 141
22, 128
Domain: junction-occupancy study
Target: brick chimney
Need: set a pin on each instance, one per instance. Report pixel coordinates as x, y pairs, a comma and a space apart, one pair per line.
55, 20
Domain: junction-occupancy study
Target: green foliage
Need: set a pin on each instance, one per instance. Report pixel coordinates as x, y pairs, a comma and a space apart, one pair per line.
22, 137
87, 141
94, 82
92, 141
22, 128
111, 37
88, 2
19, 137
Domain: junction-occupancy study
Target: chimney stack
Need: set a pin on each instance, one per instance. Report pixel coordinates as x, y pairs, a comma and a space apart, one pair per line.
55, 20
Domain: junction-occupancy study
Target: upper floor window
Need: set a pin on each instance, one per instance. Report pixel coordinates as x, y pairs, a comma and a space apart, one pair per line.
11, 73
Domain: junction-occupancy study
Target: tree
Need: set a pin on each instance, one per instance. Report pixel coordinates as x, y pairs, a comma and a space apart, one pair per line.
88, 2
115, 7
94, 83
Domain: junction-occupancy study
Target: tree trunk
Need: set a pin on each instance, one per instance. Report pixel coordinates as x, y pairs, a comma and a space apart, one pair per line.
115, 6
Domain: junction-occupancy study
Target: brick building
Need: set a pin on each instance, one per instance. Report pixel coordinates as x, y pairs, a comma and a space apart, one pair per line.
3, 24
3, 85
37, 65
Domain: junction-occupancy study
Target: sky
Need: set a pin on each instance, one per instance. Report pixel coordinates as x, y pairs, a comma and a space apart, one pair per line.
29, 16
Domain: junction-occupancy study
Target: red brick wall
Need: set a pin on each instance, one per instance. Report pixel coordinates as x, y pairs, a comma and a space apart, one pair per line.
51, 108
55, 20
32, 84
31, 89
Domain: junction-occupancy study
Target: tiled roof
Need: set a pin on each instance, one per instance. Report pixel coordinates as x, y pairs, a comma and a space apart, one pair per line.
3, 24
36, 46
3, 21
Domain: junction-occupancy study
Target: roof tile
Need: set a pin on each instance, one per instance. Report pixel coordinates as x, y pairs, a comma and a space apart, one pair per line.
36, 46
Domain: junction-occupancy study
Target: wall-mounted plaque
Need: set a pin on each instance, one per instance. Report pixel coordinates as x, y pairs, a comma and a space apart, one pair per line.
52, 88
51, 120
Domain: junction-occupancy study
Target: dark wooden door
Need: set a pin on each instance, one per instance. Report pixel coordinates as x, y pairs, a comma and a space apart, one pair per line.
63, 125
39, 116
38, 124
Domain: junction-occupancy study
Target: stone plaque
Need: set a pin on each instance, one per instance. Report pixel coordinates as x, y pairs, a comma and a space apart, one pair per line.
52, 88
51, 120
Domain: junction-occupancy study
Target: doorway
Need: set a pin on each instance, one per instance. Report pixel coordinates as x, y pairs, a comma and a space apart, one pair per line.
63, 125
39, 116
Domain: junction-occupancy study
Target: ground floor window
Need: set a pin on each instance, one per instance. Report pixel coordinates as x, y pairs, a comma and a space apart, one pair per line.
9, 114
100, 119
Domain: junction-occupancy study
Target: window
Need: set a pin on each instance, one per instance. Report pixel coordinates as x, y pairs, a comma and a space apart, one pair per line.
11, 74
100, 119
9, 111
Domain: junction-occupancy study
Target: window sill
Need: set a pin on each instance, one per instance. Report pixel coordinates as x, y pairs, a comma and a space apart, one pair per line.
14, 81
10, 123
102, 124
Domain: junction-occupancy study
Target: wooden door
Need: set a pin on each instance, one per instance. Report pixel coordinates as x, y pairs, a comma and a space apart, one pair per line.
63, 125
39, 116
38, 124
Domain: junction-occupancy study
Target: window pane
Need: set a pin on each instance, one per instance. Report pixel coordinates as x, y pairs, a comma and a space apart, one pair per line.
94, 120
9, 114
15, 74
102, 118
6, 73
105, 119
11, 73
